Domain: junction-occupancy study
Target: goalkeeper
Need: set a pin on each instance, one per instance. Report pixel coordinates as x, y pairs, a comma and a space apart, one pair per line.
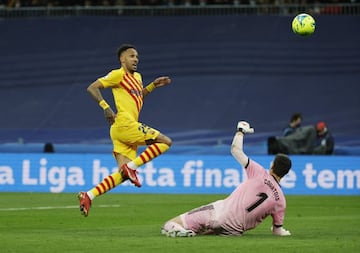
246, 207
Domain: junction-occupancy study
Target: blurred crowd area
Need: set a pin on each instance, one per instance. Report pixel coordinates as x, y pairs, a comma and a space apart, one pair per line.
34, 3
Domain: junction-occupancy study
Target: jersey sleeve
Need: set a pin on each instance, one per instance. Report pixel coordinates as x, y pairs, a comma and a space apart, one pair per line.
278, 216
254, 169
112, 79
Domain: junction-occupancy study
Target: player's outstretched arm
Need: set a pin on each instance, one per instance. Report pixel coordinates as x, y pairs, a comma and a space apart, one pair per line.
237, 145
161, 81
158, 82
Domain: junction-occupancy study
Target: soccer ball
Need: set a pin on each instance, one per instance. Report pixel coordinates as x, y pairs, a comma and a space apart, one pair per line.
303, 24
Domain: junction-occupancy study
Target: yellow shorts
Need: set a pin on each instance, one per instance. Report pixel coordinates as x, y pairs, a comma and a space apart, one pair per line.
127, 134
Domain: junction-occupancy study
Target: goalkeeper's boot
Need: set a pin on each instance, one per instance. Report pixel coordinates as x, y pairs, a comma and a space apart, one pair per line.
131, 175
178, 233
185, 233
85, 203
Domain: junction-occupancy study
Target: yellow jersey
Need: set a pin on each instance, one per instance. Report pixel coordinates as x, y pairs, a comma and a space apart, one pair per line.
127, 91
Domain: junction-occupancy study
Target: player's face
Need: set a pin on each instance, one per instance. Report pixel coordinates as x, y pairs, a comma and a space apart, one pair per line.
298, 122
129, 60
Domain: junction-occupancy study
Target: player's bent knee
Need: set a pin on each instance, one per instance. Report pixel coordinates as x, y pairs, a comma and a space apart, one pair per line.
164, 139
168, 142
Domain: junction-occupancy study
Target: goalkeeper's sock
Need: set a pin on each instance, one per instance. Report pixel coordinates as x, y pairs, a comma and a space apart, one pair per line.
106, 185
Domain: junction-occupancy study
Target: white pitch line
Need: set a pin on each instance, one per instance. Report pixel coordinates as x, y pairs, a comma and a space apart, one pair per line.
50, 207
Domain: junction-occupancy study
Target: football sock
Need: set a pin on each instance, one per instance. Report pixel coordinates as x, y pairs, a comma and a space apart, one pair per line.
106, 185
152, 151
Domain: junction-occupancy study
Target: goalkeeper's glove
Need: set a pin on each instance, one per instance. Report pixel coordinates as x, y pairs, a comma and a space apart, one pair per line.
244, 127
280, 231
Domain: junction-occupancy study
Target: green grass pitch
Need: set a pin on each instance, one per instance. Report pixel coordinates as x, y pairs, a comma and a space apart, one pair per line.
45, 222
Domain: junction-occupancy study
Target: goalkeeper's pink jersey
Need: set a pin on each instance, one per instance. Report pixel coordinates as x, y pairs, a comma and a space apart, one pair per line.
248, 205
252, 201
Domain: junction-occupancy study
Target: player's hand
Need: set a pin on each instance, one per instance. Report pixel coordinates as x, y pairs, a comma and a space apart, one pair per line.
110, 115
161, 81
280, 231
244, 127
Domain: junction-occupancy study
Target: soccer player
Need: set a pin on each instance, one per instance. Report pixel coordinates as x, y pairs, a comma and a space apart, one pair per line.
246, 207
126, 132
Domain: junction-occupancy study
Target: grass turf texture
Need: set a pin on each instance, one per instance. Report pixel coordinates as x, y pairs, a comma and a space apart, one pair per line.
43, 222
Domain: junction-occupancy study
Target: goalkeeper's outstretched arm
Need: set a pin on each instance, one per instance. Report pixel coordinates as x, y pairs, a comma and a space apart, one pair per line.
237, 145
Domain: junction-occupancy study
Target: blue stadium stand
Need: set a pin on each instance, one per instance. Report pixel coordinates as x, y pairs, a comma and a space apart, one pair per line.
223, 70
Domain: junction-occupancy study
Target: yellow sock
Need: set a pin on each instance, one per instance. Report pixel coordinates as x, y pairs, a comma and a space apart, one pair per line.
107, 184
152, 151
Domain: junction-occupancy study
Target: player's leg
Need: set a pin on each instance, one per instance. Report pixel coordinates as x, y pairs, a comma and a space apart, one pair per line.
157, 144
104, 186
201, 220
197, 221
155, 147
112, 180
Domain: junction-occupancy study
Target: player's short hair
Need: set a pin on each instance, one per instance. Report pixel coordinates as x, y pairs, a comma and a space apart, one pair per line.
295, 116
281, 165
123, 48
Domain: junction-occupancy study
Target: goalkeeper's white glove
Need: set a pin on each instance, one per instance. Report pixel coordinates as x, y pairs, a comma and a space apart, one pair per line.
244, 127
280, 231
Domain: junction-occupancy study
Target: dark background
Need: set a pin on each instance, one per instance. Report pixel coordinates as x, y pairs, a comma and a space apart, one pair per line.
223, 68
